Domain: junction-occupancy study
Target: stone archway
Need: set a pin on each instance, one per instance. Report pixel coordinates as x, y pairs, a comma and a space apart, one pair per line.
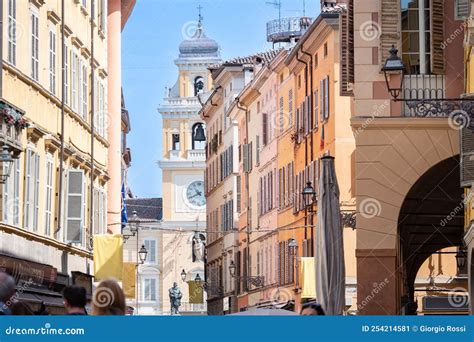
392, 154
431, 219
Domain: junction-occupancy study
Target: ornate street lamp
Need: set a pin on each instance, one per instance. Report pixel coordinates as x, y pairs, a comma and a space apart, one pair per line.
198, 278
292, 245
293, 249
257, 281
132, 228
6, 162
309, 196
142, 253
461, 258
183, 275
394, 65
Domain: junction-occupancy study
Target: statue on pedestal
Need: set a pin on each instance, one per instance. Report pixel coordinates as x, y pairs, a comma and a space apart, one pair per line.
175, 298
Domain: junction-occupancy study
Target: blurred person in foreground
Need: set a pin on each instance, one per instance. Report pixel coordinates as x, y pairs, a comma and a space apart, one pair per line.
75, 300
312, 309
7, 291
108, 299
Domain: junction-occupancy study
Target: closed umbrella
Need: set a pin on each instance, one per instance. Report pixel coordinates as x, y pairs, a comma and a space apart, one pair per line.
329, 247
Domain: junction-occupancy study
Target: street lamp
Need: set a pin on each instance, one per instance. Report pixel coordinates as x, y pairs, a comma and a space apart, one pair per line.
309, 196
142, 253
132, 228
257, 281
394, 65
293, 249
183, 275
6, 162
461, 258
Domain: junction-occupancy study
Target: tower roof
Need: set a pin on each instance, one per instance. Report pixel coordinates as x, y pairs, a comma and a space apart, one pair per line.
199, 45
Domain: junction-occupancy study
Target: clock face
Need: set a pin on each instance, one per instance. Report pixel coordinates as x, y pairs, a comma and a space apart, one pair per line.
195, 194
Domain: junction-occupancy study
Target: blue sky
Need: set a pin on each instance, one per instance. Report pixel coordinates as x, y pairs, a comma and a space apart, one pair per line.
149, 46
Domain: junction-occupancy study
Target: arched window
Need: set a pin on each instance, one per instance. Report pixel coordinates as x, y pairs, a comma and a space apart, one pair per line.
198, 136
198, 85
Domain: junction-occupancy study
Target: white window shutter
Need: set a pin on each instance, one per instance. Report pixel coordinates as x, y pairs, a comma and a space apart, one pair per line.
75, 208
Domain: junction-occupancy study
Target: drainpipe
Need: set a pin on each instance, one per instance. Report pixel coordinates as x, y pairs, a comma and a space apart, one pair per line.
247, 188
311, 108
63, 100
91, 211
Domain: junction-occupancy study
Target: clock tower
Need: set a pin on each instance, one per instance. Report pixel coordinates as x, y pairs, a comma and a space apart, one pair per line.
183, 161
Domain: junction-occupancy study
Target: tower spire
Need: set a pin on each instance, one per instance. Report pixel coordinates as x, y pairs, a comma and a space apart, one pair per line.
199, 15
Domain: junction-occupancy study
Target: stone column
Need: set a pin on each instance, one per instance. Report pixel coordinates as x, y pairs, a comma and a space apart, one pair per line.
114, 29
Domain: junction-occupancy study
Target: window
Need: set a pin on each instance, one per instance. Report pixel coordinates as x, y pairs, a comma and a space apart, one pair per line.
12, 33
264, 129
34, 21
49, 196
198, 136
239, 194
149, 286
325, 50
461, 9
150, 245
31, 190
66, 75
74, 80
85, 91
316, 108
11, 195
84, 3
175, 142
102, 15
52, 61
282, 115
416, 52
75, 207
324, 98
290, 107
316, 61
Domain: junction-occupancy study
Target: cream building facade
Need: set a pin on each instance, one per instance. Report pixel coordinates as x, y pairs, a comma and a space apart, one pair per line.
55, 198
183, 165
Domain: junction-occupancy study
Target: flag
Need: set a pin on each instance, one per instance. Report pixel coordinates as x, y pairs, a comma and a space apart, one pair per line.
124, 207
108, 257
129, 279
321, 146
308, 275
196, 293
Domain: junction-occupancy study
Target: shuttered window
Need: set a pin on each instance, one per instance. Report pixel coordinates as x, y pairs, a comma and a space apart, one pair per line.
390, 27
12, 32
48, 207
149, 293
52, 60
437, 37
85, 90
462, 9
74, 81
347, 49
239, 193
75, 208
264, 129
257, 150
34, 22
326, 99
290, 107
150, 245
31, 210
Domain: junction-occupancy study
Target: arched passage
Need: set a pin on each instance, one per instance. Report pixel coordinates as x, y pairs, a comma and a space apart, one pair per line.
431, 219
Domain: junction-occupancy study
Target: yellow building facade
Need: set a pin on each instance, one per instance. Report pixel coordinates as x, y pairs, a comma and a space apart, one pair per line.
55, 197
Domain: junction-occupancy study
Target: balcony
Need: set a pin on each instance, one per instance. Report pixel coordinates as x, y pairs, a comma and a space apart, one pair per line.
174, 155
197, 155
426, 91
287, 29
192, 309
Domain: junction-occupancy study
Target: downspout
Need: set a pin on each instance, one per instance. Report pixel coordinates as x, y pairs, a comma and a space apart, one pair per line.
63, 99
91, 211
305, 140
247, 192
311, 108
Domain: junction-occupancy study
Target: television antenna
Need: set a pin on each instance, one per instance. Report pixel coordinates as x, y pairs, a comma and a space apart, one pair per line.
276, 4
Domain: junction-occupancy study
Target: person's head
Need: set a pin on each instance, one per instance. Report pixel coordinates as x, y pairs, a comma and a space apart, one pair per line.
175, 284
75, 298
7, 287
312, 309
108, 299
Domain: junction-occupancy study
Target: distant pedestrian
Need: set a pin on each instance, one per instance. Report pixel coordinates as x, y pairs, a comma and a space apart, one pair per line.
7, 291
312, 309
108, 299
75, 300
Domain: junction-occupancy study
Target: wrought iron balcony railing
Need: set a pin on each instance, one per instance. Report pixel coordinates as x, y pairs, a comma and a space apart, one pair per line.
284, 29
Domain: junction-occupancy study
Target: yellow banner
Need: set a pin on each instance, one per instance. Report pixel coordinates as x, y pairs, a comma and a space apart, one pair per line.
129, 279
108, 257
196, 293
308, 276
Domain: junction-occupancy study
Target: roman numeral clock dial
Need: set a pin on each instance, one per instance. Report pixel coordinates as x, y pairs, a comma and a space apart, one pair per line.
195, 194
